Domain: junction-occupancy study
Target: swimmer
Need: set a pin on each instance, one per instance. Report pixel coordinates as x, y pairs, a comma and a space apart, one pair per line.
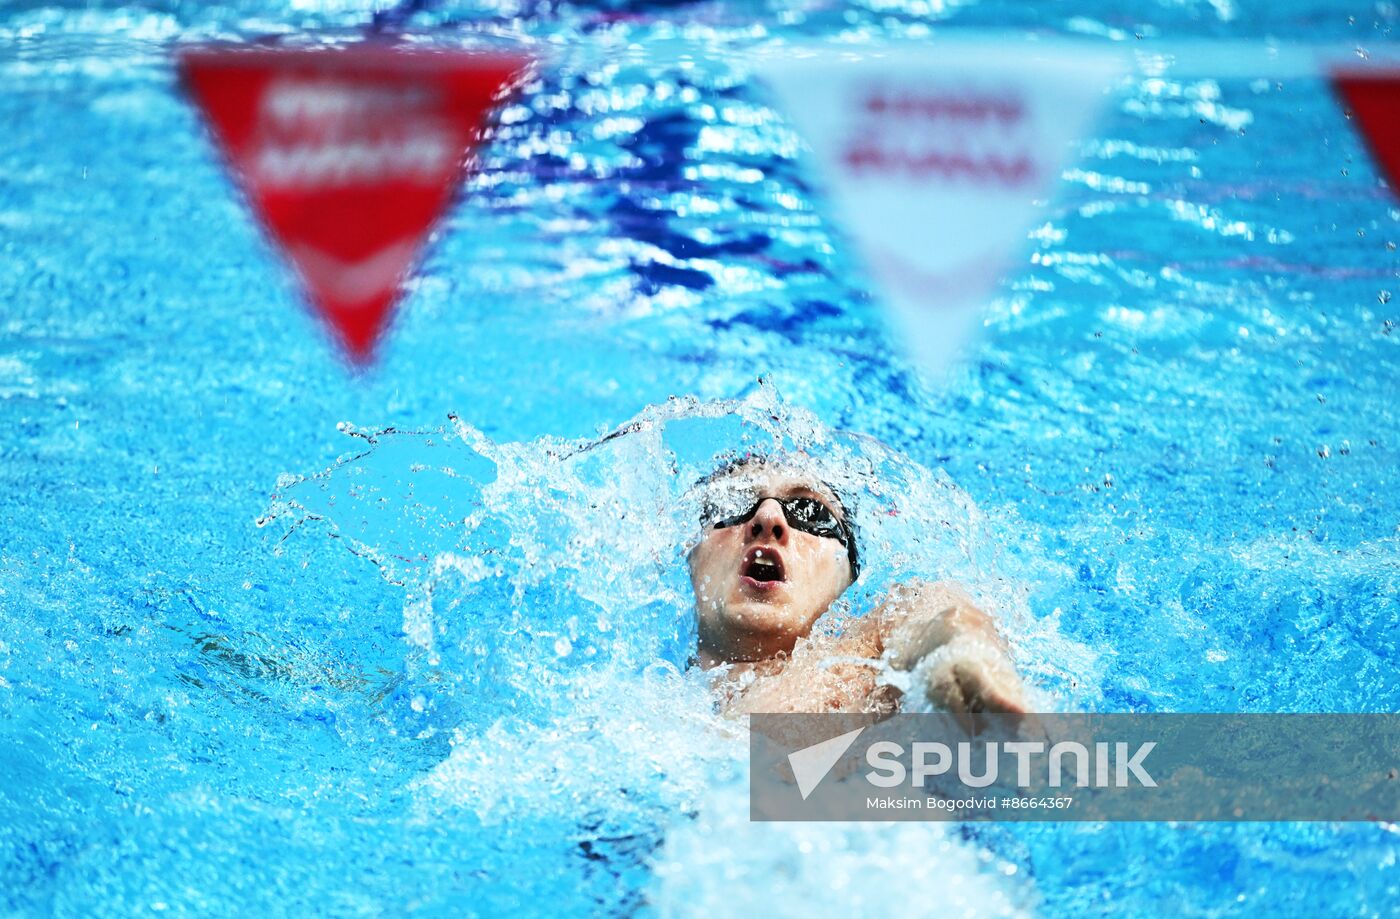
777, 549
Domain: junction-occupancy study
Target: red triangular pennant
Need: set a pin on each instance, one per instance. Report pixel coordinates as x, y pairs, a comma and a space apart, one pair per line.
348, 156
1375, 100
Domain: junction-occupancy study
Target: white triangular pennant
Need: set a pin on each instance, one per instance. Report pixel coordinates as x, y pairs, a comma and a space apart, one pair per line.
935, 157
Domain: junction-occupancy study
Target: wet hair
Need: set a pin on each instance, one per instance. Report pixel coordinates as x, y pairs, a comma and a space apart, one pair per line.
847, 508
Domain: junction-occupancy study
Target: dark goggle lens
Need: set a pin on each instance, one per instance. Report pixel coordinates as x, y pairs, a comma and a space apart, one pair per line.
811, 516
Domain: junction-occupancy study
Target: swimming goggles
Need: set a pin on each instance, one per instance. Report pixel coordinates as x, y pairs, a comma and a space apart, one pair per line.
806, 514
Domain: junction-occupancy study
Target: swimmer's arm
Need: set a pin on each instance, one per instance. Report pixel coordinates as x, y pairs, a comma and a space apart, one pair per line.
936, 631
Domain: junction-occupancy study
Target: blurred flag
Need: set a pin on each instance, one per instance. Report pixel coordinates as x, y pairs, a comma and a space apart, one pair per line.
935, 158
348, 155
1374, 98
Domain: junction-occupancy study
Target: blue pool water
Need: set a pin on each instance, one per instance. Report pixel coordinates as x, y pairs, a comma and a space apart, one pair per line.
261, 654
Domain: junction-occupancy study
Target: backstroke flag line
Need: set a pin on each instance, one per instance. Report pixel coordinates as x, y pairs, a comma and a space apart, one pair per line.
348, 155
935, 158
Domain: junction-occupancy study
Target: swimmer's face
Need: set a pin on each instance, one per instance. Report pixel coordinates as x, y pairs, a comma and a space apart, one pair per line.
762, 581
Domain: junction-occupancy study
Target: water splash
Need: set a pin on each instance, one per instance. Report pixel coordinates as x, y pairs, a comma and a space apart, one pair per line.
548, 616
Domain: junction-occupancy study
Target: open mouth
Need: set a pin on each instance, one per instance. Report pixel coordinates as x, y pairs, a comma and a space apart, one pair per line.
763, 567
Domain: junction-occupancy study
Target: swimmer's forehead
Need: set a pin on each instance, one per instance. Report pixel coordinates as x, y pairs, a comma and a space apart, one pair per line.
777, 482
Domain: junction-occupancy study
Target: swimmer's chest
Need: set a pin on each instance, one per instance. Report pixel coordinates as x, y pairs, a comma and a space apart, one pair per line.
824, 674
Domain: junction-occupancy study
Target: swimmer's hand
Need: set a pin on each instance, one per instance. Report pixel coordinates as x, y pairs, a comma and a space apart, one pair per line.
938, 633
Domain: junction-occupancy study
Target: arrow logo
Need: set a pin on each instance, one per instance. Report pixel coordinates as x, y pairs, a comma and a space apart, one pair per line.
811, 764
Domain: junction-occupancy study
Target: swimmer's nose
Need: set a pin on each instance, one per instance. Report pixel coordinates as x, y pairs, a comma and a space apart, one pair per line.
769, 523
